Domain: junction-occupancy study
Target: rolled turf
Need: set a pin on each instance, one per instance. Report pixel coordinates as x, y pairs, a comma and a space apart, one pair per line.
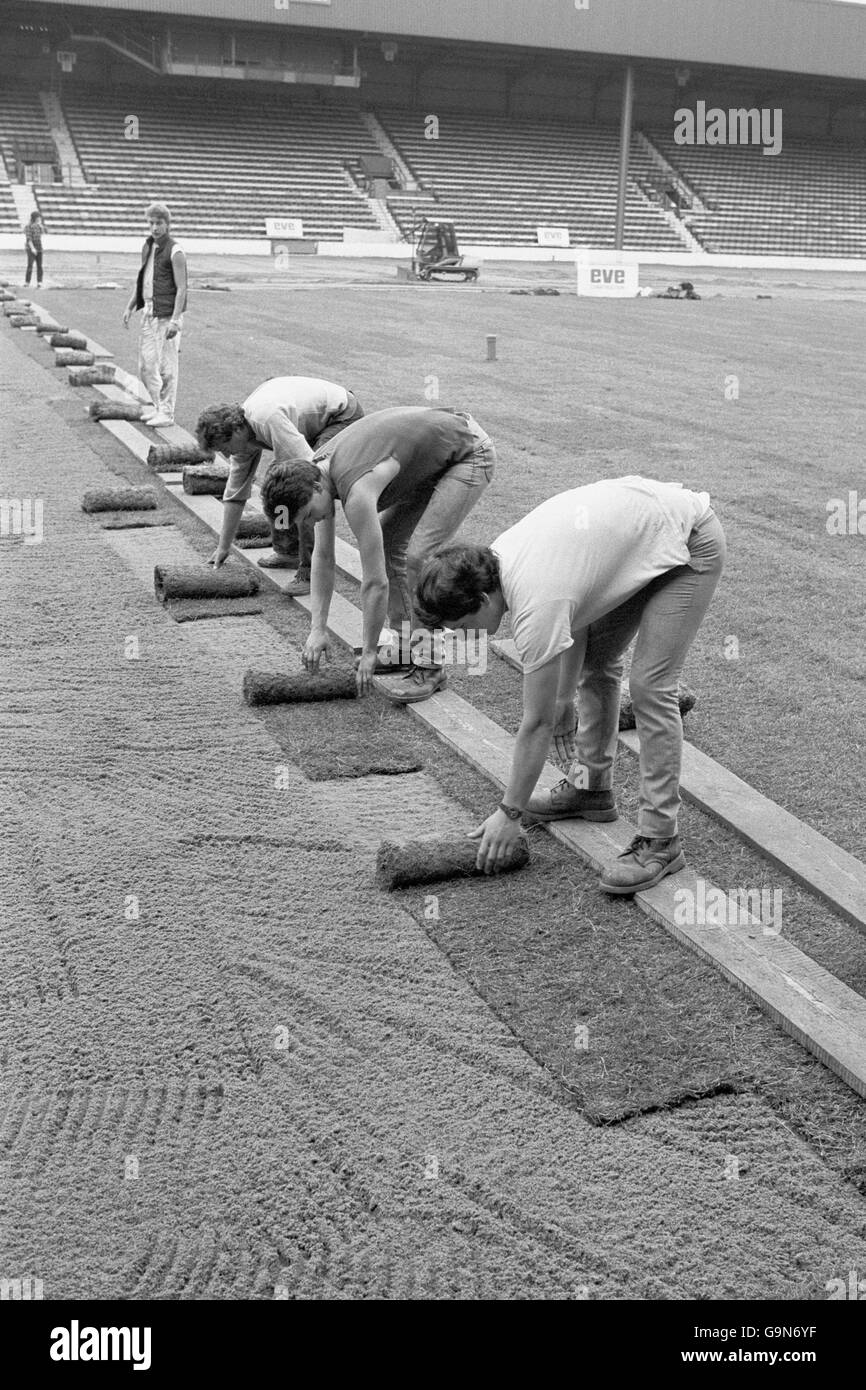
69, 357
65, 339
49, 328
429, 861
103, 375
119, 499
23, 320
16, 306
173, 457
207, 479
687, 699
275, 688
194, 581
115, 410
254, 525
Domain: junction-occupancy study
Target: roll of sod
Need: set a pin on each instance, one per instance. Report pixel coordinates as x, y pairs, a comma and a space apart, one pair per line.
428, 861
273, 688
115, 410
169, 458
16, 306
119, 499
66, 339
103, 375
252, 526
23, 320
687, 700
202, 581
47, 329
205, 478
68, 357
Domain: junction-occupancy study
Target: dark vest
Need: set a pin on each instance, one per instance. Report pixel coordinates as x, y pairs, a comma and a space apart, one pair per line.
164, 287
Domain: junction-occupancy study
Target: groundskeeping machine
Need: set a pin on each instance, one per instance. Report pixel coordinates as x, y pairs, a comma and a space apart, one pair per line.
435, 253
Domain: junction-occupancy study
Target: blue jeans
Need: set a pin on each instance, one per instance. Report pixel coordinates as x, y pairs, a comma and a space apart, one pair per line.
665, 615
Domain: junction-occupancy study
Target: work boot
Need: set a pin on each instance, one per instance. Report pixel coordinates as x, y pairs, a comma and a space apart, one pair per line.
420, 683
277, 561
566, 802
644, 864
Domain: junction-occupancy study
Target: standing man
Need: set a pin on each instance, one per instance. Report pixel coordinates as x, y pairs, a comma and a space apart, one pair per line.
406, 479
160, 292
292, 416
580, 576
33, 233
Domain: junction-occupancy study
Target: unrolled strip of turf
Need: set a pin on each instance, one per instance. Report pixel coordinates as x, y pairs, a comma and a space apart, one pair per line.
202, 581
433, 860
127, 521
197, 610
115, 499
357, 738
598, 993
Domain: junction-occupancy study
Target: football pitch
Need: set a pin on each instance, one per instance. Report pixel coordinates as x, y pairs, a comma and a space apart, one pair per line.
268, 1079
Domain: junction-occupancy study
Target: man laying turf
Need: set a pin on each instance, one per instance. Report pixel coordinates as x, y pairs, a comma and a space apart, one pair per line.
292, 416
406, 478
580, 576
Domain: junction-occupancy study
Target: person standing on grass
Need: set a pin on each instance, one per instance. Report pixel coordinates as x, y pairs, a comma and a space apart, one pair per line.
33, 234
161, 293
292, 416
580, 577
406, 478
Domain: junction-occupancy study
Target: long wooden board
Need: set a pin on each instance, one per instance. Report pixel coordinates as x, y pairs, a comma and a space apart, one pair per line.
809, 857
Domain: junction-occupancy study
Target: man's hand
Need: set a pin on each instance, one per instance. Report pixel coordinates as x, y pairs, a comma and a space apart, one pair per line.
219, 557
564, 731
498, 835
317, 645
172, 330
364, 668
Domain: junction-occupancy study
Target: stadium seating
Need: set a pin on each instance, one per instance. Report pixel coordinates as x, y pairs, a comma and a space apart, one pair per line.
223, 162
500, 179
806, 201
22, 121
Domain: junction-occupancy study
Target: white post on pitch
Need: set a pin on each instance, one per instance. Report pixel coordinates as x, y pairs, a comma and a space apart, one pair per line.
491, 347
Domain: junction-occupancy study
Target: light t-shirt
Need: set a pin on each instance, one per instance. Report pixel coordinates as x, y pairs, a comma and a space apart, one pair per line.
147, 280
584, 552
286, 414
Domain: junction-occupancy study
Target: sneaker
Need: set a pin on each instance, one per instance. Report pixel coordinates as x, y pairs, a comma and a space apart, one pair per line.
158, 420
566, 802
419, 684
644, 864
296, 587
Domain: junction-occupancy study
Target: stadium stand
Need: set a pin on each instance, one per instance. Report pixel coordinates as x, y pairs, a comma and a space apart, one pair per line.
499, 179
223, 163
22, 125
809, 200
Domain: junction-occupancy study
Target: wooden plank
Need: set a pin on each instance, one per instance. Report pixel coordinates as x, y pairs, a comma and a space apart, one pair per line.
812, 860
807, 855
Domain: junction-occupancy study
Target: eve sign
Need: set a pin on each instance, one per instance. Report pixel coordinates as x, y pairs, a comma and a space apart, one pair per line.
608, 277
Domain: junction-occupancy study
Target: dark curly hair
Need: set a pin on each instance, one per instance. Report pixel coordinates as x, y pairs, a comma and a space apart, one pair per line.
452, 582
289, 485
217, 424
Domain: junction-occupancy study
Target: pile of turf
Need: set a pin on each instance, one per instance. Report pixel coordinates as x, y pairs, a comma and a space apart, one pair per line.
64, 339
432, 860
69, 357
205, 479
203, 581
103, 375
115, 410
170, 458
115, 499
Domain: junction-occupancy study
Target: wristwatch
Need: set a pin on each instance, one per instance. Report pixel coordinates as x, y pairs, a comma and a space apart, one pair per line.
512, 812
